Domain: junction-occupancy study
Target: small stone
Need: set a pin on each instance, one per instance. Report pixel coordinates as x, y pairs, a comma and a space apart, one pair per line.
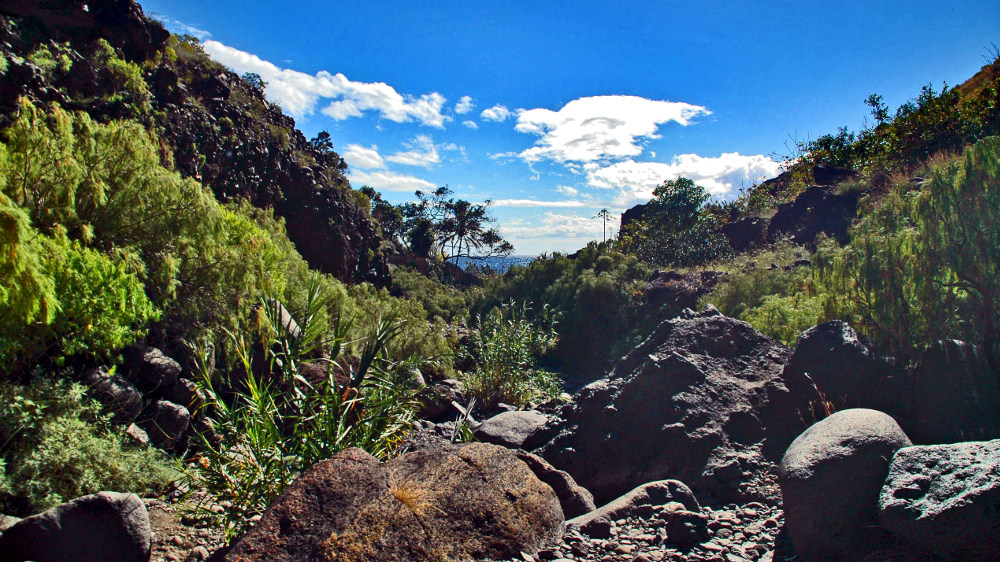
197, 554
724, 533
580, 549
625, 549
713, 547
771, 523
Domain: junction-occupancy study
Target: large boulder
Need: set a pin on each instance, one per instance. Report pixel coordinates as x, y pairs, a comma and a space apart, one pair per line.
116, 394
574, 498
955, 396
745, 233
682, 400
439, 503
831, 477
510, 429
103, 526
833, 368
946, 499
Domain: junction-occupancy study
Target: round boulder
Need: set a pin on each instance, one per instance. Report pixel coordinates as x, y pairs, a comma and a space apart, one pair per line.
510, 429
831, 477
104, 526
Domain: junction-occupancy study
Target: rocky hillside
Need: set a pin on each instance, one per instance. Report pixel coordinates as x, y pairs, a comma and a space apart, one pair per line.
213, 125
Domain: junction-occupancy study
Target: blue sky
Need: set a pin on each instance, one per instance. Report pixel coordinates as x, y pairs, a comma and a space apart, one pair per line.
555, 110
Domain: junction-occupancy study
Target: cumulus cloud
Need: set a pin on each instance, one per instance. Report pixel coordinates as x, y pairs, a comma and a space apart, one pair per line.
299, 93
496, 113
464, 105
422, 152
522, 203
470, 124
384, 180
362, 158
599, 127
567, 190
720, 175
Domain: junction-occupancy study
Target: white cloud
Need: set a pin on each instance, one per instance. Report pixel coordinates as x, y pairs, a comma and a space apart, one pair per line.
470, 124
720, 175
496, 113
464, 105
422, 153
384, 180
181, 28
363, 158
298, 92
557, 225
535, 203
599, 127
567, 190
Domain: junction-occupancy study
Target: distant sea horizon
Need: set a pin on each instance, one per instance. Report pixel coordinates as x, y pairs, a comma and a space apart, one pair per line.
499, 264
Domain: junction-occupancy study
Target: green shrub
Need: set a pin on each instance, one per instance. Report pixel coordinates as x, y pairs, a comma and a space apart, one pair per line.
439, 300
925, 263
505, 346
596, 295
55, 446
278, 424
126, 77
676, 228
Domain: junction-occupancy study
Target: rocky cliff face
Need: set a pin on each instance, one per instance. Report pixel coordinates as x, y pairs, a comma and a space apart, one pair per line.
215, 126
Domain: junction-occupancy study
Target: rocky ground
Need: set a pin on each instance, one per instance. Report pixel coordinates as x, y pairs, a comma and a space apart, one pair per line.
177, 536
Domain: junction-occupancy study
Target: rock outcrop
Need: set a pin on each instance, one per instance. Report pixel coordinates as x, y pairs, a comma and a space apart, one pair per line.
681, 405
831, 477
104, 526
450, 502
817, 210
945, 499
955, 396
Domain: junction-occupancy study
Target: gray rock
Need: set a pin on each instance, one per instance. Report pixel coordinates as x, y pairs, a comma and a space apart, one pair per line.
832, 363
6, 522
955, 396
831, 477
574, 499
652, 493
185, 393
436, 399
510, 429
150, 368
687, 528
685, 397
946, 499
137, 435
116, 394
104, 526
165, 423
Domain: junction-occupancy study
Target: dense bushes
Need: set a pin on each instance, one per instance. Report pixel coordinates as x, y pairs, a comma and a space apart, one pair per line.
100, 239
505, 348
57, 446
675, 228
925, 263
597, 297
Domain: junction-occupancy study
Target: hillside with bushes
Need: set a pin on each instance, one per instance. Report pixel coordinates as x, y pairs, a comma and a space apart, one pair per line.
198, 308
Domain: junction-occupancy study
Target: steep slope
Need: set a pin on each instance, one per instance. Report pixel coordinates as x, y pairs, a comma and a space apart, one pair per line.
214, 125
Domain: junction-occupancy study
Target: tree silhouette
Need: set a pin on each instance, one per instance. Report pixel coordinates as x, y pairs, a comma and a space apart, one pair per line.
604, 214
